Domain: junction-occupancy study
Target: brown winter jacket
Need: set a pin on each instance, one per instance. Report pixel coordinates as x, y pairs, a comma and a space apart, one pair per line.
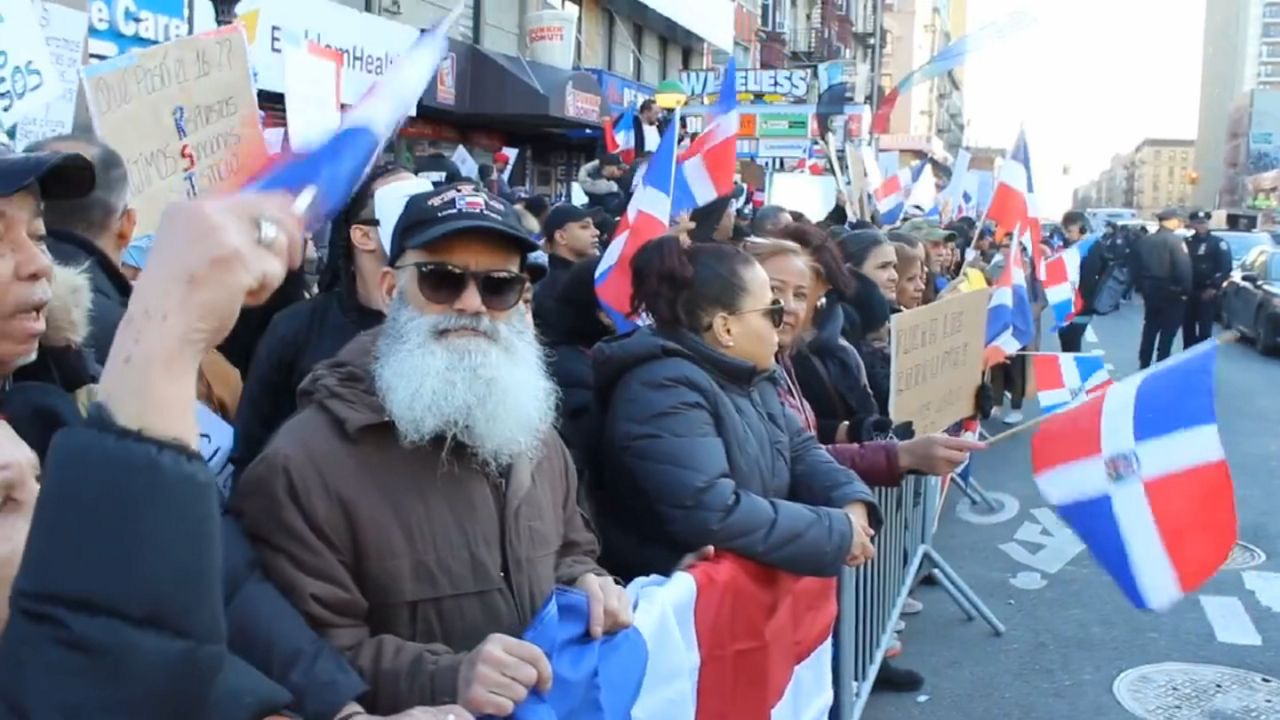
405, 558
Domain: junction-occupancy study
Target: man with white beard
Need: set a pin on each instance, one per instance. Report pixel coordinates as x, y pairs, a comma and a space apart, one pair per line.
420, 507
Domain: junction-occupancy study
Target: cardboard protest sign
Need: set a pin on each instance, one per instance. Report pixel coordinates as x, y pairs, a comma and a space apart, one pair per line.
936, 361
64, 33
27, 80
183, 115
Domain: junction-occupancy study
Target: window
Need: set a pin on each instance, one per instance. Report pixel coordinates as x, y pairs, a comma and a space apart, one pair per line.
888, 42
1185, 156
839, 6
766, 14
663, 72
1271, 32
686, 59
637, 37
1271, 12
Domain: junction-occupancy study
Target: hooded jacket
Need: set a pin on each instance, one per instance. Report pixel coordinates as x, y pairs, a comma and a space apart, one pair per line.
833, 379
698, 449
591, 178
110, 289
406, 558
297, 340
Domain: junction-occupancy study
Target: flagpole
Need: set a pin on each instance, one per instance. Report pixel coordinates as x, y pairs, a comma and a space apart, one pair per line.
675, 122
1098, 353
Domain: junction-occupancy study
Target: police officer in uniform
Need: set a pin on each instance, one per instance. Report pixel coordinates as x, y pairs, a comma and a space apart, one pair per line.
1164, 277
1210, 266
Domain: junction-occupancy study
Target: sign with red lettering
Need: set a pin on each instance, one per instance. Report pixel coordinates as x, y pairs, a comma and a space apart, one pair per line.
183, 115
447, 80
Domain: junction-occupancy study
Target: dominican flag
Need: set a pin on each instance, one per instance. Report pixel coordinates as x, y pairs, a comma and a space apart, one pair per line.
336, 166
1061, 278
891, 196
728, 638
620, 137
1013, 204
1010, 324
647, 217
1067, 379
707, 166
1140, 475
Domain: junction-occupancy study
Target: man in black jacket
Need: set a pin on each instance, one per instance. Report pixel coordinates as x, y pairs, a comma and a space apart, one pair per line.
436, 167
93, 231
1164, 276
569, 235
1210, 266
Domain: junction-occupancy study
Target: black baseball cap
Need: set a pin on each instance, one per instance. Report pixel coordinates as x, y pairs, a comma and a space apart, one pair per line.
60, 176
432, 216
1200, 216
561, 215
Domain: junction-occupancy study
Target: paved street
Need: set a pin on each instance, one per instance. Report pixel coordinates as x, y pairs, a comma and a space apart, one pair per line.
1068, 639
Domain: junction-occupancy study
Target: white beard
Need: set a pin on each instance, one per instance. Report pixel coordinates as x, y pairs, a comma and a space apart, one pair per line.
493, 394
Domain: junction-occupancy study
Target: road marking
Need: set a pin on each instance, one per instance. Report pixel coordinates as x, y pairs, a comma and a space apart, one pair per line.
1090, 335
1265, 586
1027, 580
977, 513
1229, 620
1060, 545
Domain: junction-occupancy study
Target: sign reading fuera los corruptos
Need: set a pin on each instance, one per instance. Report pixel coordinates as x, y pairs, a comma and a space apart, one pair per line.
791, 83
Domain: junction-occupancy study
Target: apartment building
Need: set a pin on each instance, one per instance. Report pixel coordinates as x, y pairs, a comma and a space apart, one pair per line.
1157, 174
929, 117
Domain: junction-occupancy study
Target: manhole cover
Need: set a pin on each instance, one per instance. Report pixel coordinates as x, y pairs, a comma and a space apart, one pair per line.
1187, 691
1243, 555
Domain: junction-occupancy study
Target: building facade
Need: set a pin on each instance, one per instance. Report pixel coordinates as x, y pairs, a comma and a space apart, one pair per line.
914, 31
1157, 174
1241, 53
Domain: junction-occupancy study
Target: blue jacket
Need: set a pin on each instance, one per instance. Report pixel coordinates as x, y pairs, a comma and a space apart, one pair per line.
137, 598
698, 449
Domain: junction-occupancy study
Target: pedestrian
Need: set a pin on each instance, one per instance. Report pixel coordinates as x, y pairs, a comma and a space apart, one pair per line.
299, 338
769, 220
600, 181
687, 406
1075, 226
436, 167
420, 507
569, 236
1210, 266
1164, 278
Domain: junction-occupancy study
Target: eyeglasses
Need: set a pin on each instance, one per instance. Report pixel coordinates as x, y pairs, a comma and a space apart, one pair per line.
776, 310
442, 284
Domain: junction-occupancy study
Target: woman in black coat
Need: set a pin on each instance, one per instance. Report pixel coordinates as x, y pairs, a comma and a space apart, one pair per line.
697, 449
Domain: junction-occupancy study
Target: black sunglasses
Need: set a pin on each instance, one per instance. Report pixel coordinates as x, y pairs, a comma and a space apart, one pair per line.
775, 309
442, 284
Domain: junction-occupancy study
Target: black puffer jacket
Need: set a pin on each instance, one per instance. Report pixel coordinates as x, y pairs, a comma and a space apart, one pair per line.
833, 379
698, 450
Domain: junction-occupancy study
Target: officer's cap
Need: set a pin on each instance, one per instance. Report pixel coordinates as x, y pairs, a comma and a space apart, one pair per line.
1199, 216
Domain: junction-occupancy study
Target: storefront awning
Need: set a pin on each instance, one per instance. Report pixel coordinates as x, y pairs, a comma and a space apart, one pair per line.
508, 89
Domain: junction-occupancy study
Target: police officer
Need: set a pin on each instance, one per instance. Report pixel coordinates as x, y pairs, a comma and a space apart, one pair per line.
1164, 277
1210, 266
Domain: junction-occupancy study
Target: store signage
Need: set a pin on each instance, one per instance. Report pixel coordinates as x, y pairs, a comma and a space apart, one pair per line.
369, 44
783, 148
580, 104
621, 92
746, 147
447, 80
783, 125
118, 26
746, 125
790, 83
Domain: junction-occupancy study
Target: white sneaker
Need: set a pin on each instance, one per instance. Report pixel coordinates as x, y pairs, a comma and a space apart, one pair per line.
912, 607
1013, 418
899, 626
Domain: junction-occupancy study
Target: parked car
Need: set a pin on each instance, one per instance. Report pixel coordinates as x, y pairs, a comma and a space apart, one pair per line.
1242, 241
1251, 298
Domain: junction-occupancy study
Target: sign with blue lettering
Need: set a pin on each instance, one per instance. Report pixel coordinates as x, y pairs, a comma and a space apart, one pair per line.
118, 26
621, 92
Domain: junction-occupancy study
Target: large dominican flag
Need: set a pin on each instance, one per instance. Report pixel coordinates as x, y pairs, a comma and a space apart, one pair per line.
336, 167
727, 639
1140, 474
1013, 204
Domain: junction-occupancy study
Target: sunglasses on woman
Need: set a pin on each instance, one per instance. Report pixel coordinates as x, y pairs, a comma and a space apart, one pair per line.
442, 284
776, 310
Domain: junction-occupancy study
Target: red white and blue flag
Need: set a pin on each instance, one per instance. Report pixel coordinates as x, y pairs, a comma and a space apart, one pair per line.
1010, 323
647, 217
1140, 474
729, 638
707, 166
891, 195
1013, 204
335, 167
1060, 276
1067, 379
620, 137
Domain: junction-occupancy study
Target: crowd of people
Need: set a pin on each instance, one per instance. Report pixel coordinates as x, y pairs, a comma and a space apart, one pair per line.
434, 429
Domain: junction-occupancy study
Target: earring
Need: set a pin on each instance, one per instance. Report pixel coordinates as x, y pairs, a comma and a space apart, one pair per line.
729, 344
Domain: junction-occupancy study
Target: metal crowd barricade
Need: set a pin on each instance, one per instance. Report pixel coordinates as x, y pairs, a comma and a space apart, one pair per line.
871, 597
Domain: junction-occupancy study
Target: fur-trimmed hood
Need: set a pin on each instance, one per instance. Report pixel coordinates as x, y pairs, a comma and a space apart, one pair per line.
67, 315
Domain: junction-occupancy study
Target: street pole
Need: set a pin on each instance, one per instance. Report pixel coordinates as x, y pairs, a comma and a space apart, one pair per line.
876, 56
